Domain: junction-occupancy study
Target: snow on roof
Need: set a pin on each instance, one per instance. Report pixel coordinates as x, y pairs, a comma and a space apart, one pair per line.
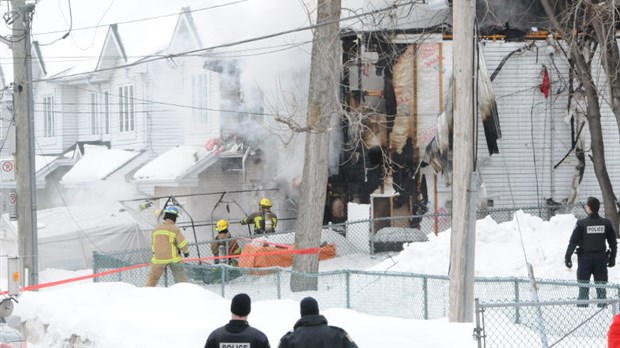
172, 163
98, 162
41, 161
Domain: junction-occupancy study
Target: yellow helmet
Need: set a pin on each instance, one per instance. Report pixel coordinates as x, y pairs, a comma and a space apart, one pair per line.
265, 203
221, 225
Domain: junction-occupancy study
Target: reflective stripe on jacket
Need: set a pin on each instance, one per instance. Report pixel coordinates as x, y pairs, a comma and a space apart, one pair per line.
259, 217
166, 242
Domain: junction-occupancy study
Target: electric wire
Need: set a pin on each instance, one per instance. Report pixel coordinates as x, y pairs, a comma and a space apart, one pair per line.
68, 31
143, 19
201, 51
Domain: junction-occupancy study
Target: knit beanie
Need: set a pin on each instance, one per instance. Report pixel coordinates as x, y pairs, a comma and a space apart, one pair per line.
241, 305
308, 306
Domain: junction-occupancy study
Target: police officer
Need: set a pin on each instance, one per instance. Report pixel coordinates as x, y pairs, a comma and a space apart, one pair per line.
238, 333
589, 238
312, 331
264, 220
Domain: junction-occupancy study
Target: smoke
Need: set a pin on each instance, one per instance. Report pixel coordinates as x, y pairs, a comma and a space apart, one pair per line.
519, 14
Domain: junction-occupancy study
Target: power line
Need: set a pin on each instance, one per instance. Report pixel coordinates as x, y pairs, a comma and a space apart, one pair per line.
231, 44
144, 19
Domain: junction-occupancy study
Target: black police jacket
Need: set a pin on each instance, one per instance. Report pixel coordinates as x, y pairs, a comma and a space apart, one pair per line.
312, 331
238, 334
590, 235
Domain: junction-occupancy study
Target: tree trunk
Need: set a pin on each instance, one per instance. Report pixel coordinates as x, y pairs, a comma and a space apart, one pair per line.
604, 25
603, 21
322, 107
593, 115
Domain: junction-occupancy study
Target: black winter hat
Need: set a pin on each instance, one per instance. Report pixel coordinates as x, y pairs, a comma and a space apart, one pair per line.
241, 305
308, 306
594, 204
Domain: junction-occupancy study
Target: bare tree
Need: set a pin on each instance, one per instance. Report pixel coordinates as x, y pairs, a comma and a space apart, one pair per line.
323, 105
585, 26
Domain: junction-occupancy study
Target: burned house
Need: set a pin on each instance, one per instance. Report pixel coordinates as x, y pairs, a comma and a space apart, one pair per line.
397, 130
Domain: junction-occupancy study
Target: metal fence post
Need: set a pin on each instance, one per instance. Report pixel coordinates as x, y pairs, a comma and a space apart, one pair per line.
372, 237
478, 330
166, 277
95, 263
348, 288
223, 273
517, 297
279, 284
425, 294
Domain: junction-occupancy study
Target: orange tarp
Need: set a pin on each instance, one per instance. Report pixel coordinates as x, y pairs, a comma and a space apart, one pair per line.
250, 257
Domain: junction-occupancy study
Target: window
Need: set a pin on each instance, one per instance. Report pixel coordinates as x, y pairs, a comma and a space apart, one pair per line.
126, 113
200, 94
94, 117
48, 116
106, 112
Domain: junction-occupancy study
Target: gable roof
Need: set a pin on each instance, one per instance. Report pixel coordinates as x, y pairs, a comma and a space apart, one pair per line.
185, 34
99, 163
178, 166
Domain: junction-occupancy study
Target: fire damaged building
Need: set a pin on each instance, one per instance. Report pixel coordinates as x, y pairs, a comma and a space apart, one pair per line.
396, 132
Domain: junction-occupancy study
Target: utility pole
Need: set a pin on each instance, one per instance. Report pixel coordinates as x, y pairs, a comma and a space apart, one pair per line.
24, 138
462, 242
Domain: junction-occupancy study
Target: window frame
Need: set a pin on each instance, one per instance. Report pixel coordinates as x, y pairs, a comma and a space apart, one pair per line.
49, 117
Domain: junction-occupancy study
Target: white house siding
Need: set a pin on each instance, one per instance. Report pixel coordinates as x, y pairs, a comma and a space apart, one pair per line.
128, 140
162, 117
535, 133
521, 173
197, 133
84, 111
64, 117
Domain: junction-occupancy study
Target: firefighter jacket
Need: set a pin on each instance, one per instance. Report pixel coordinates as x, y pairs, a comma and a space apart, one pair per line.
590, 235
312, 331
264, 221
167, 243
233, 246
238, 333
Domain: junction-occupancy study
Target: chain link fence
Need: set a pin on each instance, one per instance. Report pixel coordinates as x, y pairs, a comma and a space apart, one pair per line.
506, 317
409, 295
544, 324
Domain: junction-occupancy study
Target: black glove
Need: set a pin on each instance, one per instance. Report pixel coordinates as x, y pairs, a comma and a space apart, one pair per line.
611, 262
568, 262
186, 254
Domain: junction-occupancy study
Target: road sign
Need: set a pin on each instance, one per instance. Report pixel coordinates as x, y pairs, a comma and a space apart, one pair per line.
8, 170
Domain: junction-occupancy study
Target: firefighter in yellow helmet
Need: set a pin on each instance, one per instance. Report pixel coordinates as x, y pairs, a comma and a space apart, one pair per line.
220, 248
167, 244
264, 220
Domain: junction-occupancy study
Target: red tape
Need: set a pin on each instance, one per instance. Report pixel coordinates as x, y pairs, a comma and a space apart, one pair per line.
123, 269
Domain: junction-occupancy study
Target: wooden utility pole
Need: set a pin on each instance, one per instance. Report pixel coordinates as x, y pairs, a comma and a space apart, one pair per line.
24, 138
462, 242
322, 107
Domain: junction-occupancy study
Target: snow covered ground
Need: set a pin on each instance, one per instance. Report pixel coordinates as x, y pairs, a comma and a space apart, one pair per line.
123, 315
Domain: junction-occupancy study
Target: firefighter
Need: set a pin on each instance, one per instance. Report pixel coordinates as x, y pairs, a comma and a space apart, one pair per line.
167, 244
219, 248
589, 237
264, 220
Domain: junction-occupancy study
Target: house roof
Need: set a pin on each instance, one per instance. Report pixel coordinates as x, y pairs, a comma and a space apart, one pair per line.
177, 166
99, 163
